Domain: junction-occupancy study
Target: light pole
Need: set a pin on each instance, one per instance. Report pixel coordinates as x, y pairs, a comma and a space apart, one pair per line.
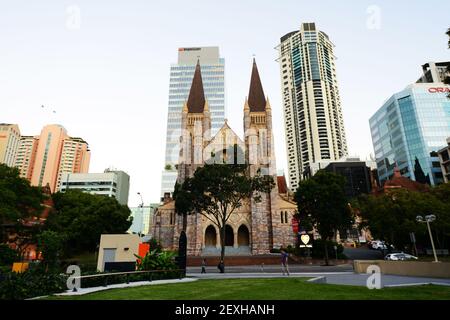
142, 213
429, 218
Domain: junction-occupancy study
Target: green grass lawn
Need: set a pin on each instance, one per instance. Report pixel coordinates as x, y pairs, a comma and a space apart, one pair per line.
260, 289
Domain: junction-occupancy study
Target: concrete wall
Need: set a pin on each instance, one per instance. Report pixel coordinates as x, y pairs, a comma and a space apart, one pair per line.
119, 242
406, 268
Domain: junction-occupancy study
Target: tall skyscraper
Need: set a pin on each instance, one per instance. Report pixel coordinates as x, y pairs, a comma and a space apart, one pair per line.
181, 74
314, 125
44, 158
9, 143
411, 127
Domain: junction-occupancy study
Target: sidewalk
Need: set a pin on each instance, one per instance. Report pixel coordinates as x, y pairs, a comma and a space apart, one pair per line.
358, 279
340, 278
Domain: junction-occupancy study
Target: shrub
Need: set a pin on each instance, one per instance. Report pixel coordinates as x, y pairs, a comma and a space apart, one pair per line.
7, 255
154, 245
32, 283
123, 278
157, 260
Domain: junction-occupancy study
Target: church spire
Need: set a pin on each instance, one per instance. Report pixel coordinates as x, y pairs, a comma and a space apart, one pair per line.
256, 98
196, 100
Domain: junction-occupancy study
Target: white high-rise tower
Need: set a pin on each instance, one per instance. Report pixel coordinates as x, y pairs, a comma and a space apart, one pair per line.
314, 125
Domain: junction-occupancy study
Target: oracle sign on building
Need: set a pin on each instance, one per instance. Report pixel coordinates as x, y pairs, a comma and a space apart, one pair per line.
439, 90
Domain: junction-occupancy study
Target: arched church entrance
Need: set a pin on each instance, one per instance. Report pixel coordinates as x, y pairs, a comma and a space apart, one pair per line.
243, 236
229, 236
210, 236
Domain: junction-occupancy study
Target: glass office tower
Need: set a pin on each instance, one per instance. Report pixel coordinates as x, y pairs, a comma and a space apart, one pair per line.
409, 129
181, 74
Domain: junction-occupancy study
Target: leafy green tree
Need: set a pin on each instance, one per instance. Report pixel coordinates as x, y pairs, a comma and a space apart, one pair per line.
217, 190
82, 217
7, 255
441, 227
50, 244
391, 217
183, 201
18, 202
321, 200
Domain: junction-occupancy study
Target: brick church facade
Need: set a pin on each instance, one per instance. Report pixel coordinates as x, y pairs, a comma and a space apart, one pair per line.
256, 227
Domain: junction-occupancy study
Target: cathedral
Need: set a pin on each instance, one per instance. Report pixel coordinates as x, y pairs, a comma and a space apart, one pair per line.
256, 227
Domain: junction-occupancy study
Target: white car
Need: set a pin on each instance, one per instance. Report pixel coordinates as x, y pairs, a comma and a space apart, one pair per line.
378, 245
399, 257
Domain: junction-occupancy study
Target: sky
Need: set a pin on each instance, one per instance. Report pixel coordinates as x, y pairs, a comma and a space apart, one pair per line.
103, 66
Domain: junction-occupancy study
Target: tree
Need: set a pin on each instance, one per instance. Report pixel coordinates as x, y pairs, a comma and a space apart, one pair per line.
50, 244
83, 217
18, 201
321, 199
183, 201
391, 217
7, 255
217, 190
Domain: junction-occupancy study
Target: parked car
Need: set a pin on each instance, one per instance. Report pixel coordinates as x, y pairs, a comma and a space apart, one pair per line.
399, 257
378, 245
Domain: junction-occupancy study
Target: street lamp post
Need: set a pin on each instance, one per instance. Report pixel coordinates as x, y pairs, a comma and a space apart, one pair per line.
142, 213
427, 219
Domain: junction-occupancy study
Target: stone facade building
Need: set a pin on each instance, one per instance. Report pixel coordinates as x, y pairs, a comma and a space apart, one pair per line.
254, 228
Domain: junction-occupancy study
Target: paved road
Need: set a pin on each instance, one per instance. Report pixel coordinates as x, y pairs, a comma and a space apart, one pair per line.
275, 269
362, 253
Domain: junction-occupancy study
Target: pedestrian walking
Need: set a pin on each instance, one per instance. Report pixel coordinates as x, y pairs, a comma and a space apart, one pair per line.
204, 266
284, 262
221, 266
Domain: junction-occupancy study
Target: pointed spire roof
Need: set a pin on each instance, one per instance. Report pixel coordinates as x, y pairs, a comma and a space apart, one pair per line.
196, 100
256, 98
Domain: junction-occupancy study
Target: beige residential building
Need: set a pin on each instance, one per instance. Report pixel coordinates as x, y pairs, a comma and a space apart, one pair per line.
26, 155
9, 142
43, 159
75, 158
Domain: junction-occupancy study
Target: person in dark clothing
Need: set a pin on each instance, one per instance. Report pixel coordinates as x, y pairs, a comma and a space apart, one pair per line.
204, 266
221, 266
284, 262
